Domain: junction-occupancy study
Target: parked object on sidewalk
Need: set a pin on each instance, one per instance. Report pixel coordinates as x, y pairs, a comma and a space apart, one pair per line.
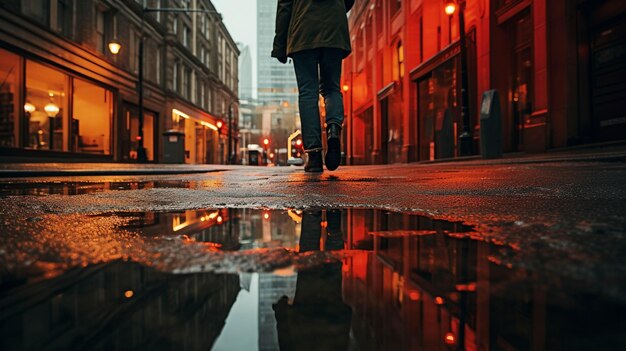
173, 146
491, 125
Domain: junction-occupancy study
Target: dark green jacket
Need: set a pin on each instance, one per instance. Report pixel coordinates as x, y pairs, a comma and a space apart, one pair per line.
311, 24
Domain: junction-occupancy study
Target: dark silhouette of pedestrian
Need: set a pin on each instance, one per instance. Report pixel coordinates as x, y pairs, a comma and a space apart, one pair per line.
318, 319
314, 33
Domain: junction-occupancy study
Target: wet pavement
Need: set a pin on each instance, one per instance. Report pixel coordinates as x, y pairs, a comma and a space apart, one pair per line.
525, 257
390, 281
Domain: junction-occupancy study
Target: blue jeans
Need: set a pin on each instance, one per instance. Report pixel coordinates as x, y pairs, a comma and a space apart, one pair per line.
318, 71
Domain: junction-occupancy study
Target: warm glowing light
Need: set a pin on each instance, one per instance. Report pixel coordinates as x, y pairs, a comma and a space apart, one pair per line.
272, 155
220, 219
286, 104
202, 219
466, 287
295, 216
346, 87
219, 124
450, 8
266, 141
285, 272
114, 47
266, 215
51, 109
30, 108
209, 125
439, 300
214, 245
179, 113
128, 294
450, 339
298, 142
414, 295
138, 137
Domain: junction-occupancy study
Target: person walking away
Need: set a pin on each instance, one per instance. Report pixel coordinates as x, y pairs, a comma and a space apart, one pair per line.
315, 35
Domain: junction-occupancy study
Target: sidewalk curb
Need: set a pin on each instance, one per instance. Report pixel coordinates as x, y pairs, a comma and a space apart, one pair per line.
5, 174
607, 157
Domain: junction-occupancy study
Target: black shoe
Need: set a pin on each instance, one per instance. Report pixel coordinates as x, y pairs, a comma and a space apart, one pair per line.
314, 162
333, 154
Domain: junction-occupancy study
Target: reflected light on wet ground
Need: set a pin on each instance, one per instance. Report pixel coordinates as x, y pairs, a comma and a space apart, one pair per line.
83, 188
371, 280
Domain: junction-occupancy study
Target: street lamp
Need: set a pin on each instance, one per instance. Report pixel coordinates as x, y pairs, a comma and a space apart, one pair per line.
142, 156
230, 130
350, 88
465, 139
266, 143
115, 47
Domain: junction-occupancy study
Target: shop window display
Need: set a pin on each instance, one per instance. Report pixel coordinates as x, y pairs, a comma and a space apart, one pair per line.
9, 99
46, 112
91, 121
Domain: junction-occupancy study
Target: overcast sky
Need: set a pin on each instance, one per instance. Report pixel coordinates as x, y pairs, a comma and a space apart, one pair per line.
240, 19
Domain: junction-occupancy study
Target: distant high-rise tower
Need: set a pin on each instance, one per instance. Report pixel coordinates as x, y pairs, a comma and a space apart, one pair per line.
245, 72
276, 82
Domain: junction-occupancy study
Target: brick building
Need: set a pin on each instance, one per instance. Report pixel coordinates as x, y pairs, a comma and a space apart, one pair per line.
80, 100
559, 67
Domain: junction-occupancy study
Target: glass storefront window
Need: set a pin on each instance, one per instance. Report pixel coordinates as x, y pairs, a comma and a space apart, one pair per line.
439, 112
92, 116
46, 92
9, 99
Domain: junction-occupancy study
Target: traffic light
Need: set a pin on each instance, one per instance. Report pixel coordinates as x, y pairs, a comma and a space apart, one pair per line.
297, 148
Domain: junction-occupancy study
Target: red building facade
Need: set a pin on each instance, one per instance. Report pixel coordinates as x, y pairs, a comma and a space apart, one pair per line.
559, 68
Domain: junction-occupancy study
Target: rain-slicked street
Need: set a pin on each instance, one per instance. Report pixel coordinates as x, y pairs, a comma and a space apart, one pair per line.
509, 255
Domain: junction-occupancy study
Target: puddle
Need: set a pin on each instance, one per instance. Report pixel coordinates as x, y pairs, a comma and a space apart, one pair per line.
351, 279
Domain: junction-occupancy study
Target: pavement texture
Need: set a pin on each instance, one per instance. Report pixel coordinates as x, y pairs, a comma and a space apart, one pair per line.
614, 152
560, 219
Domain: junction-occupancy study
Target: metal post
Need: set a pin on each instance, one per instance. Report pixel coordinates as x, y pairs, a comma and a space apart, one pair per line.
465, 139
141, 151
230, 132
350, 131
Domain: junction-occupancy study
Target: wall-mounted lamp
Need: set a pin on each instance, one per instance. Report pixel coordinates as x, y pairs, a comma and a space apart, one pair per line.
115, 47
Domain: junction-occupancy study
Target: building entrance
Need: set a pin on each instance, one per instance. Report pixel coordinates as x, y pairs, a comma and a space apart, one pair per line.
608, 83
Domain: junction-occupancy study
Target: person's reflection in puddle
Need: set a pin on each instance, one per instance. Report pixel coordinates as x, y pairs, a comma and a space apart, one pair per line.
318, 319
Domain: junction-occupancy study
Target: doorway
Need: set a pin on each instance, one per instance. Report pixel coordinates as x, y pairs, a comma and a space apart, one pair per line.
130, 134
521, 84
608, 88
384, 130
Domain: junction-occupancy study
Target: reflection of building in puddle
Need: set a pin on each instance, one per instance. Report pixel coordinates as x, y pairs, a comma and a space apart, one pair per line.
268, 229
118, 306
228, 229
417, 289
271, 289
421, 289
